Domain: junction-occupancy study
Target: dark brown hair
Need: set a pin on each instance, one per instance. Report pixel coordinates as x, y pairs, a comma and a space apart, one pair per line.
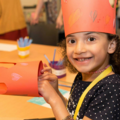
114, 58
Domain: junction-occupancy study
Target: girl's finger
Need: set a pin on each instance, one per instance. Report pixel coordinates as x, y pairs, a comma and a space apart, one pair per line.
46, 69
43, 75
45, 65
47, 76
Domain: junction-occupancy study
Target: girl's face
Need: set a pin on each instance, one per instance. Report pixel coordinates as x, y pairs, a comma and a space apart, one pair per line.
88, 51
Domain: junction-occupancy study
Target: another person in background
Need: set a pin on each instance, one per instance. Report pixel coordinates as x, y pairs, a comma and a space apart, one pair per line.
12, 22
52, 9
59, 21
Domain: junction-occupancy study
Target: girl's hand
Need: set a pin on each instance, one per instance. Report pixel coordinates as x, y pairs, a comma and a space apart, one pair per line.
53, 80
48, 88
47, 91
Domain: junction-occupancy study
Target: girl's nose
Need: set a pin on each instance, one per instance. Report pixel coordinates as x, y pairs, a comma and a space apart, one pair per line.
80, 47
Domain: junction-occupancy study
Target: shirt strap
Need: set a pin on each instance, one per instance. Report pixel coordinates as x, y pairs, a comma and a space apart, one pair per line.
92, 84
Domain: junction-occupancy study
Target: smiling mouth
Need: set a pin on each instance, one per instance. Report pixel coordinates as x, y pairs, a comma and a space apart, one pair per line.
83, 59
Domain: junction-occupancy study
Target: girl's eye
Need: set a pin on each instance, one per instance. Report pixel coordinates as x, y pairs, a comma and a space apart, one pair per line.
91, 39
71, 41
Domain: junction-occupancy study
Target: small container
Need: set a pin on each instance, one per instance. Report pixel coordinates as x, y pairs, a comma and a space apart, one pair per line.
58, 70
23, 52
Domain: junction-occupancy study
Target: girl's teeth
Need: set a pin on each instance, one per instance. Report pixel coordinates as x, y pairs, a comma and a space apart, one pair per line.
82, 59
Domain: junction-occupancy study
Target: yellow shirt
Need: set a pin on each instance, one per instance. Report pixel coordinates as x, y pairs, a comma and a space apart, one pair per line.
11, 16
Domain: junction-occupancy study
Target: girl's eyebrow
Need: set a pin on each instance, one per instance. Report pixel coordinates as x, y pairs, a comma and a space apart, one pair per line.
91, 33
70, 36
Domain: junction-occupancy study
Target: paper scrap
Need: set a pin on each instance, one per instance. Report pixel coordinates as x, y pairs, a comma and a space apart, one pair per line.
7, 47
42, 102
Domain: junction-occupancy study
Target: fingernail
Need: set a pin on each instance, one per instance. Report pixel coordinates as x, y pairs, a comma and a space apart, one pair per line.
41, 71
45, 65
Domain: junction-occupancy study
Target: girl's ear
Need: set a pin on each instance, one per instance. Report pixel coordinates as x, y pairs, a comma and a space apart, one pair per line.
112, 46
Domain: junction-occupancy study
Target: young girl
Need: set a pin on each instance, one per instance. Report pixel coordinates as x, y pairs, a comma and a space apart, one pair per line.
92, 49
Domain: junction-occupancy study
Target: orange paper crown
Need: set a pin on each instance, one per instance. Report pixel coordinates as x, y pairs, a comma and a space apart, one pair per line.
89, 15
21, 79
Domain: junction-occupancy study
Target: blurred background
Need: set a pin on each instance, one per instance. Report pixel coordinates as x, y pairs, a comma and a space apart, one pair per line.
44, 32
41, 20
118, 17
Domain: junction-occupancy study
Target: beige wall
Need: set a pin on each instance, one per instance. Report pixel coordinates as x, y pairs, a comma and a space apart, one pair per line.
32, 2
28, 2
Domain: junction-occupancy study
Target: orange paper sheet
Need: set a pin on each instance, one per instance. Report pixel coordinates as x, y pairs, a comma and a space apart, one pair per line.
21, 79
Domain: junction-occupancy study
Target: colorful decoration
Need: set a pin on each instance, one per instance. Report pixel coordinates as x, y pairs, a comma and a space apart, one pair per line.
107, 19
74, 17
93, 15
89, 15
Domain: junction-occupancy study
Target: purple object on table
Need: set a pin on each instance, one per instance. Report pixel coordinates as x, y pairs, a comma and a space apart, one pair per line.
58, 70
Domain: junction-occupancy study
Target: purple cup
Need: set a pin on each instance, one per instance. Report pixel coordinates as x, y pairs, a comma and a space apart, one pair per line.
58, 70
